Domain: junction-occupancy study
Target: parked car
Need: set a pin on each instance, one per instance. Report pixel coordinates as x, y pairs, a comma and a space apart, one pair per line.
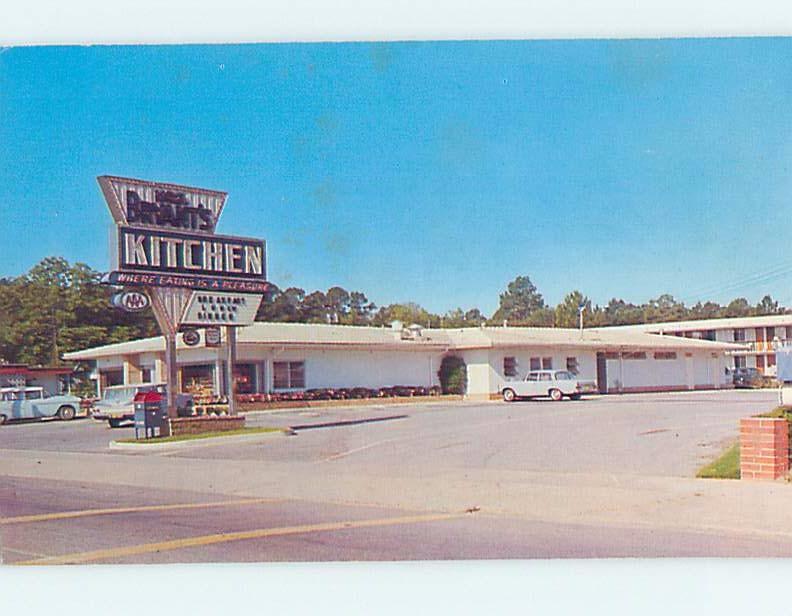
553, 383
747, 378
33, 402
118, 402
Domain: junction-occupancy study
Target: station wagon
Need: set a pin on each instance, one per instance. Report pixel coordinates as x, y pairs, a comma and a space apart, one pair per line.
552, 383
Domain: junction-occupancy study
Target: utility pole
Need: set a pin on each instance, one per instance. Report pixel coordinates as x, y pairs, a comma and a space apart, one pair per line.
581, 310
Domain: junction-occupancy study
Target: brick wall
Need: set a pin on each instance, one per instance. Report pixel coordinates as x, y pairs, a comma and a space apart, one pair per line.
200, 425
764, 448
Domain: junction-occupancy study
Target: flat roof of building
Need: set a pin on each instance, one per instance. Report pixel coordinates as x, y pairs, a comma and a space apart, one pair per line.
773, 320
27, 370
384, 338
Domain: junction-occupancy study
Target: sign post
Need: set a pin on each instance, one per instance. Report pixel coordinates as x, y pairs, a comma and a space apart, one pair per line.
230, 363
193, 277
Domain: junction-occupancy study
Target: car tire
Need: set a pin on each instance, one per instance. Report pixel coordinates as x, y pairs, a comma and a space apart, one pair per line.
3, 419
555, 395
66, 413
509, 395
114, 423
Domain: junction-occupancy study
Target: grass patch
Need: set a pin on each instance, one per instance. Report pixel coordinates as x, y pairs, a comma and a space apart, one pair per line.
779, 412
725, 467
195, 437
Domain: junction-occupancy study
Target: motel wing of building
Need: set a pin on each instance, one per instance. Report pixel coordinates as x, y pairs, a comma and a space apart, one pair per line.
758, 336
276, 357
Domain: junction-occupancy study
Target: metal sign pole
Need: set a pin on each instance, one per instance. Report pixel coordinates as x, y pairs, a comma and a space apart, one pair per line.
230, 362
172, 371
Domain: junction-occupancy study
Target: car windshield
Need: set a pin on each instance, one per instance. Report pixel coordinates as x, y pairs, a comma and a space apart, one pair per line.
119, 395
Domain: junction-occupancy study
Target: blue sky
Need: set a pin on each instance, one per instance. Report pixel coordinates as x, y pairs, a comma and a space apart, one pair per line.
427, 172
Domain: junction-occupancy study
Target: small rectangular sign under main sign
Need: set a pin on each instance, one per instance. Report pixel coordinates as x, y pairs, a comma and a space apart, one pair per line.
208, 308
212, 337
177, 281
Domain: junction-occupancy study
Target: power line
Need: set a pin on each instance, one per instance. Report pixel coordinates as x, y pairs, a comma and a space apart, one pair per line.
757, 278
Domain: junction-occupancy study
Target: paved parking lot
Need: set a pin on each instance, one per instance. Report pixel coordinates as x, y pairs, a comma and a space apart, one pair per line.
607, 476
650, 434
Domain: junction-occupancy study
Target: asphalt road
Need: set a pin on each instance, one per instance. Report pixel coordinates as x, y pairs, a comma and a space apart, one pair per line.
603, 477
294, 530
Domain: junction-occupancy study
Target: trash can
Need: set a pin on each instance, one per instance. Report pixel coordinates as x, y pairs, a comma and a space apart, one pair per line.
151, 414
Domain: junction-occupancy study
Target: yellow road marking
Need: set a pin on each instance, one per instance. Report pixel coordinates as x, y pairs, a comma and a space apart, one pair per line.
62, 515
189, 542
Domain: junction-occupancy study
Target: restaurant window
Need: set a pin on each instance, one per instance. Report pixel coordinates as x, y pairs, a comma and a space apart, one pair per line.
112, 377
288, 374
245, 378
547, 363
739, 361
198, 379
146, 375
572, 365
665, 355
509, 366
739, 335
536, 363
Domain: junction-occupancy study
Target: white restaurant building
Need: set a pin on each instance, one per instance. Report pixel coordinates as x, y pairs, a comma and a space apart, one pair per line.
280, 357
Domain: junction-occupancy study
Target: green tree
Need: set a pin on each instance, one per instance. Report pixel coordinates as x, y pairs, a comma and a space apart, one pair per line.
738, 308
406, 313
664, 308
453, 375
619, 312
520, 300
57, 307
767, 305
707, 310
567, 312
361, 310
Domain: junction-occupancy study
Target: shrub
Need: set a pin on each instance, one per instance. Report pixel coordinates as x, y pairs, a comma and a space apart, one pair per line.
453, 375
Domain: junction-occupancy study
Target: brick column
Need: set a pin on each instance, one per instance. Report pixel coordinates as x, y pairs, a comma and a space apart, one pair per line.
764, 448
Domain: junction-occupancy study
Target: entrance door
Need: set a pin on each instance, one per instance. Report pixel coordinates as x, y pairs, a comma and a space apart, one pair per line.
602, 373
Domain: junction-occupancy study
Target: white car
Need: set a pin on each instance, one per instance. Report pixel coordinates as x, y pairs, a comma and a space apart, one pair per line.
118, 402
553, 383
35, 402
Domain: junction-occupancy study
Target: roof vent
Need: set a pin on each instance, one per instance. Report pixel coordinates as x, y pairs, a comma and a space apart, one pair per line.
416, 330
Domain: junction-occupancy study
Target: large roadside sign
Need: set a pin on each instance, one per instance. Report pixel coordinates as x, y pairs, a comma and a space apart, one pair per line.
166, 244
167, 231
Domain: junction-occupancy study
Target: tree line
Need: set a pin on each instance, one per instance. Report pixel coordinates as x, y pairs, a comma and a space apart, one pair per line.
58, 307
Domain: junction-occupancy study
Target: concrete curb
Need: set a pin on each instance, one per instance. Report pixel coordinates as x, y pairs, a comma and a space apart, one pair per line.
378, 406
143, 447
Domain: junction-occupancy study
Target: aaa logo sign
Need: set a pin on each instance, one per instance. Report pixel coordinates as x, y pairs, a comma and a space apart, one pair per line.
131, 301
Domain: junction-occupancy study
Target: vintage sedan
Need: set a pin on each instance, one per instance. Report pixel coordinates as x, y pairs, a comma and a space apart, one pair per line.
554, 384
34, 402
